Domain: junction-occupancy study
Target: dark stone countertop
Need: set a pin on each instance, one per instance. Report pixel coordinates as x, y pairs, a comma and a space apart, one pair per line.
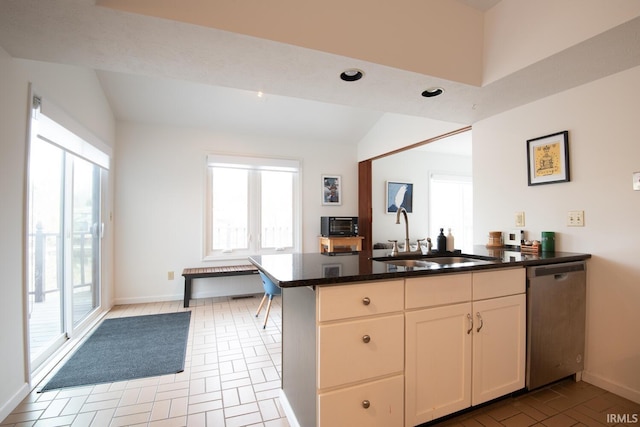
310, 269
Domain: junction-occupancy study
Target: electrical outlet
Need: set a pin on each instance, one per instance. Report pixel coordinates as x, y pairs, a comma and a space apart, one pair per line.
170, 275
575, 219
519, 219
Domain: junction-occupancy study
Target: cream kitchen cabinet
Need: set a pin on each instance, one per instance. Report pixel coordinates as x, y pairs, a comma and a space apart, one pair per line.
464, 339
360, 360
499, 335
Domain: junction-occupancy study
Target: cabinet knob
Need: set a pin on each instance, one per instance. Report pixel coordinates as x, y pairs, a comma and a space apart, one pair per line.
366, 301
366, 339
366, 404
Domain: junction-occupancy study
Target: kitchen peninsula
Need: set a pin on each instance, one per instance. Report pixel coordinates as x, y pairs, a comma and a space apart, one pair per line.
358, 335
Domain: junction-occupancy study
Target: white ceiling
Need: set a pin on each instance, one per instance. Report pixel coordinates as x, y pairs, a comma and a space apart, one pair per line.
161, 71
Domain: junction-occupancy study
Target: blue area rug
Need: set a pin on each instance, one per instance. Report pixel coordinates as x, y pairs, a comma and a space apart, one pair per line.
126, 348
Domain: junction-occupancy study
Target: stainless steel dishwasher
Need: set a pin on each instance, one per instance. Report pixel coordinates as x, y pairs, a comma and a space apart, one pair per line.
556, 308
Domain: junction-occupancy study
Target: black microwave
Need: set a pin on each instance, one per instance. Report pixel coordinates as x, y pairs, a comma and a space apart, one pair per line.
338, 226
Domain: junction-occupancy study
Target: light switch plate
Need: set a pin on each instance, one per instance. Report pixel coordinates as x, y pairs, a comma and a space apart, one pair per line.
575, 218
636, 181
519, 219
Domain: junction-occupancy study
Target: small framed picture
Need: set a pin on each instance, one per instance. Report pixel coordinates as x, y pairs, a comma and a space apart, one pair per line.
399, 195
331, 190
548, 159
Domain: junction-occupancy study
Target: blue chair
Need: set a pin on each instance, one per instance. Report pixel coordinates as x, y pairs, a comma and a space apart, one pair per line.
270, 290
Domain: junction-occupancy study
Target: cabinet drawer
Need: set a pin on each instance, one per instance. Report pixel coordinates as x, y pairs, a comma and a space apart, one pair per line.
360, 299
498, 283
345, 356
348, 407
438, 290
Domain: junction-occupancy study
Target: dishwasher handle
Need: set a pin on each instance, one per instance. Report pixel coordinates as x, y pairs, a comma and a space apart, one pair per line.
557, 270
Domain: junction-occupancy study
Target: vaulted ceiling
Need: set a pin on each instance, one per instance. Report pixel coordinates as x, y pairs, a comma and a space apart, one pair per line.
203, 63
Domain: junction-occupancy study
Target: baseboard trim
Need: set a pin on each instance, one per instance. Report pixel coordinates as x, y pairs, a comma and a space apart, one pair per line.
288, 410
615, 388
14, 401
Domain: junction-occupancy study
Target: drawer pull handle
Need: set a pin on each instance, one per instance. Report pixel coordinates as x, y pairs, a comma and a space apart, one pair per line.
470, 323
366, 301
481, 321
366, 404
366, 339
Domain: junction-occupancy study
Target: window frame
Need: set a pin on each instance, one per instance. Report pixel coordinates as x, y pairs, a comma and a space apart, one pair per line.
255, 165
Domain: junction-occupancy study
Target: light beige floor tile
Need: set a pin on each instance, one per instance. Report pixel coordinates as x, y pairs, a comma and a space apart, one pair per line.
133, 409
243, 420
211, 418
129, 420
55, 421
211, 405
268, 409
179, 407
103, 418
205, 397
172, 422
99, 406
160, 410
83, 420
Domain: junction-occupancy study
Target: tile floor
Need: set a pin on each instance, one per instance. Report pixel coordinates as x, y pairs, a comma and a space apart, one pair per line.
563, 404
232, 378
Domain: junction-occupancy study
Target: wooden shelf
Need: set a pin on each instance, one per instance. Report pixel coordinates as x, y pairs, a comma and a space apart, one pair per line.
334, 245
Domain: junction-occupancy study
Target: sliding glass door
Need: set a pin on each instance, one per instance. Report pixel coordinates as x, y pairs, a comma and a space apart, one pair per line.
46, 256
64, 237
85, 239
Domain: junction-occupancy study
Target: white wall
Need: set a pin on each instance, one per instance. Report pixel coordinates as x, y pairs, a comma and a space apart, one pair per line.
13, 111
78, 92
160, 179
412, 166
604, 147
395, 131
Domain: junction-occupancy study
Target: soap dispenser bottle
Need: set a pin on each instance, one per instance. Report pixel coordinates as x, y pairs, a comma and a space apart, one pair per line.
442, 241
450, 242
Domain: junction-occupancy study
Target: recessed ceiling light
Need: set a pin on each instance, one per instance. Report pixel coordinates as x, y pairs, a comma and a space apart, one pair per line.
433, 91
351, 75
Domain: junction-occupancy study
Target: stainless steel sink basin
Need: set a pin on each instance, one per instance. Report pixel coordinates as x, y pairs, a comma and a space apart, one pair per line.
450, 260
433, 262
411, 263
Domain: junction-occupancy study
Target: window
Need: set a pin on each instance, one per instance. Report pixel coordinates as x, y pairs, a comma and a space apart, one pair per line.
451, 206
252, 206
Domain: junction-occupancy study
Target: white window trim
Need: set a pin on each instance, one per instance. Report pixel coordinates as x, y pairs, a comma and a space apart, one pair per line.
258, 164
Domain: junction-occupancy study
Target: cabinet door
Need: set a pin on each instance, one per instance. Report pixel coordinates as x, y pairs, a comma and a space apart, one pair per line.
360, 349
438, 362
375, 404
499, 344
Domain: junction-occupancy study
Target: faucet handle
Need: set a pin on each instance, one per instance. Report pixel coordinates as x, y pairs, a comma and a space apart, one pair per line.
395, 249
419, 247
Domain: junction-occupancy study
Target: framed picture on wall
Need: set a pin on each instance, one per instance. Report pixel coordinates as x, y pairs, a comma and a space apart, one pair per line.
399, 195
548, 159
331, 190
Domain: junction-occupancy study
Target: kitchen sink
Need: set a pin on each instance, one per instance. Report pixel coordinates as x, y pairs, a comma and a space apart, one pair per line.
425, 261
458, 260
411, 263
